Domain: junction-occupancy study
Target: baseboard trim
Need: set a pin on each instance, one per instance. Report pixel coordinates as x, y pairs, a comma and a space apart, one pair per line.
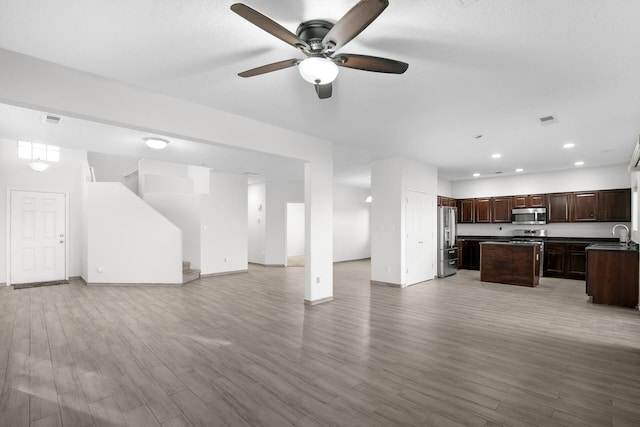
267, 265
391, 285
352, 260
318, 301
224, 273
132, 284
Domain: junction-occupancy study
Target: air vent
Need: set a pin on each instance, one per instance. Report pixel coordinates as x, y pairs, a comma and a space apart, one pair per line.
53, 120
547, 120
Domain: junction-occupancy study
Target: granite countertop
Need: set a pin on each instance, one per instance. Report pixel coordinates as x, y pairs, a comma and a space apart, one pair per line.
631, 247
588, 240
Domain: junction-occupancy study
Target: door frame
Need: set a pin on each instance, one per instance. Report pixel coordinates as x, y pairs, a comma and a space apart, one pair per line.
8, 227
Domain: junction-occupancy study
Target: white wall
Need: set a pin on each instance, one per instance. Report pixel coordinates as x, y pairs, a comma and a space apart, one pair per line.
224, 224
351, 223
64, 176
295, 229
278, 194
444, 187
578, 179
128, 241
256, 208
390, 180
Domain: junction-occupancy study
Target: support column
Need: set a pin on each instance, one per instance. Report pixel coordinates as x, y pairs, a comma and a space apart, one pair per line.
318, 199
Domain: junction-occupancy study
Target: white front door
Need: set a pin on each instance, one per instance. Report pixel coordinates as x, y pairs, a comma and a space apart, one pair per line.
38, 239
419, 243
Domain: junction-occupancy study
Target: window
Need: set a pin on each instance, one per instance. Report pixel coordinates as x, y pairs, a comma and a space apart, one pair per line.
35, 151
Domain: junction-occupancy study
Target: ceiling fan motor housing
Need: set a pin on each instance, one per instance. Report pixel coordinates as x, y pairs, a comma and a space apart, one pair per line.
313, 32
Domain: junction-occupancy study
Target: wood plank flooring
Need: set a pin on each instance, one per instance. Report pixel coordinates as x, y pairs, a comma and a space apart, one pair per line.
244, 350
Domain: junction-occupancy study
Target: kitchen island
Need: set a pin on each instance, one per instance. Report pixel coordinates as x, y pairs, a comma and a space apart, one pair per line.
510, 263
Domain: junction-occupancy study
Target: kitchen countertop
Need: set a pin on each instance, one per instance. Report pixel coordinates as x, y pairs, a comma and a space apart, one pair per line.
631, 247
590, 240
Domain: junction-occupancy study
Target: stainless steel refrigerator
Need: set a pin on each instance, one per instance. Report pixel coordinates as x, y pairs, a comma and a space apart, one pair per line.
447, 247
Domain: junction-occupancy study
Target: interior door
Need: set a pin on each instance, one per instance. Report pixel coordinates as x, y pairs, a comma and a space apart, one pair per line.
419, 238
37, 236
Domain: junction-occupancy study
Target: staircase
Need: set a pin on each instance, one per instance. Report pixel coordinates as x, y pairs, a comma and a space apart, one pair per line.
189, 274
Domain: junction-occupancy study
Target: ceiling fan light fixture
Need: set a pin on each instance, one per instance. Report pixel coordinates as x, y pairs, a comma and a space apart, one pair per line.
318, 71
156, 143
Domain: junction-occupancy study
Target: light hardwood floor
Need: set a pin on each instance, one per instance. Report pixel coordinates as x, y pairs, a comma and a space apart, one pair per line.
244, 350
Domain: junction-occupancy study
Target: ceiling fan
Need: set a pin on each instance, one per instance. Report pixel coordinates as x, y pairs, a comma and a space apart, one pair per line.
319, 40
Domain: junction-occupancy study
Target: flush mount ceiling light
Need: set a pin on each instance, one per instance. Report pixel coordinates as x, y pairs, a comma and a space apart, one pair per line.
496, 156
368, 199
478, 136
156, 143
318, 71
569, 145
475, 175
38, 165
519, 170
579, 163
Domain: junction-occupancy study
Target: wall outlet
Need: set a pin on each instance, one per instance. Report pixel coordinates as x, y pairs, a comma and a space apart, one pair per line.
388, 269
100, 269
226, 259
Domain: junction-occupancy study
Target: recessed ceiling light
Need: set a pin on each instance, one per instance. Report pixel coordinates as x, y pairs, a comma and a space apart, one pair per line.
519, 170
156, 143
476, 175
569, 145
579, 163
496, 156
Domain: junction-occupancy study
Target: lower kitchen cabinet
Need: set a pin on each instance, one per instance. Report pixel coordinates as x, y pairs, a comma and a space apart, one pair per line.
565, 260
469, 254
612, 277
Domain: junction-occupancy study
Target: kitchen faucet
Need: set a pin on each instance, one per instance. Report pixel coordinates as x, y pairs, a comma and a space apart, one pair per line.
624, 236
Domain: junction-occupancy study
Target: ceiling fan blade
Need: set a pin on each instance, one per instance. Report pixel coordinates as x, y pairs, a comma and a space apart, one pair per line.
371, 63
324, 91
269, 25
269, 68
353, 22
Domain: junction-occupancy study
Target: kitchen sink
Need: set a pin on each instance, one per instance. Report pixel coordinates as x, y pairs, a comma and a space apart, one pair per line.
613, 246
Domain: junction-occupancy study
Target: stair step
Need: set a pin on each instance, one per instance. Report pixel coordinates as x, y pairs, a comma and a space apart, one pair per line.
186, 265
190, 275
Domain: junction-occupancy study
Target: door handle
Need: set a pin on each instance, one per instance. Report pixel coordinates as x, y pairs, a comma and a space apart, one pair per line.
61, 241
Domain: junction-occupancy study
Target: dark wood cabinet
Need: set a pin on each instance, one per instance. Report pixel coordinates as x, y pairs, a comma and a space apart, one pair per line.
446, 201
529, 201
612, 277
565, 260
576, 261
584, 206
466, 210
501, 207
483, 210
469, 254
558, 207
615, 205
554, 260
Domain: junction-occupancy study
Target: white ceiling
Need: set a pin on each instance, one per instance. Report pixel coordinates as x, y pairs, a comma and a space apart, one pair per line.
490, 67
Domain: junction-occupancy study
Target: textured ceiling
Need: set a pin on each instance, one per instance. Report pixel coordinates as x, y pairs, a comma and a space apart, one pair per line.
489, 67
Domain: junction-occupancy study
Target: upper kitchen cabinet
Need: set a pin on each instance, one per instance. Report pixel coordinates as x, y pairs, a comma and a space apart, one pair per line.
501, 207
558, 207
447, 201
615, 205
466, 210
529, 201
483, 210
585, 206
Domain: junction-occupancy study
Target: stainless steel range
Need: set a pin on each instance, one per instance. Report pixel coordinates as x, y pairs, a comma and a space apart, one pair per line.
531, 236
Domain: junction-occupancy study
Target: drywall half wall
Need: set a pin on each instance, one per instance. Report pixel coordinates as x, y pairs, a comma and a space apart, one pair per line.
128, 241
224, 228
112, 168
64, 176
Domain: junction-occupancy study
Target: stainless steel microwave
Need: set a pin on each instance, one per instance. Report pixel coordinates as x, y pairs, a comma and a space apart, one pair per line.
529, 216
